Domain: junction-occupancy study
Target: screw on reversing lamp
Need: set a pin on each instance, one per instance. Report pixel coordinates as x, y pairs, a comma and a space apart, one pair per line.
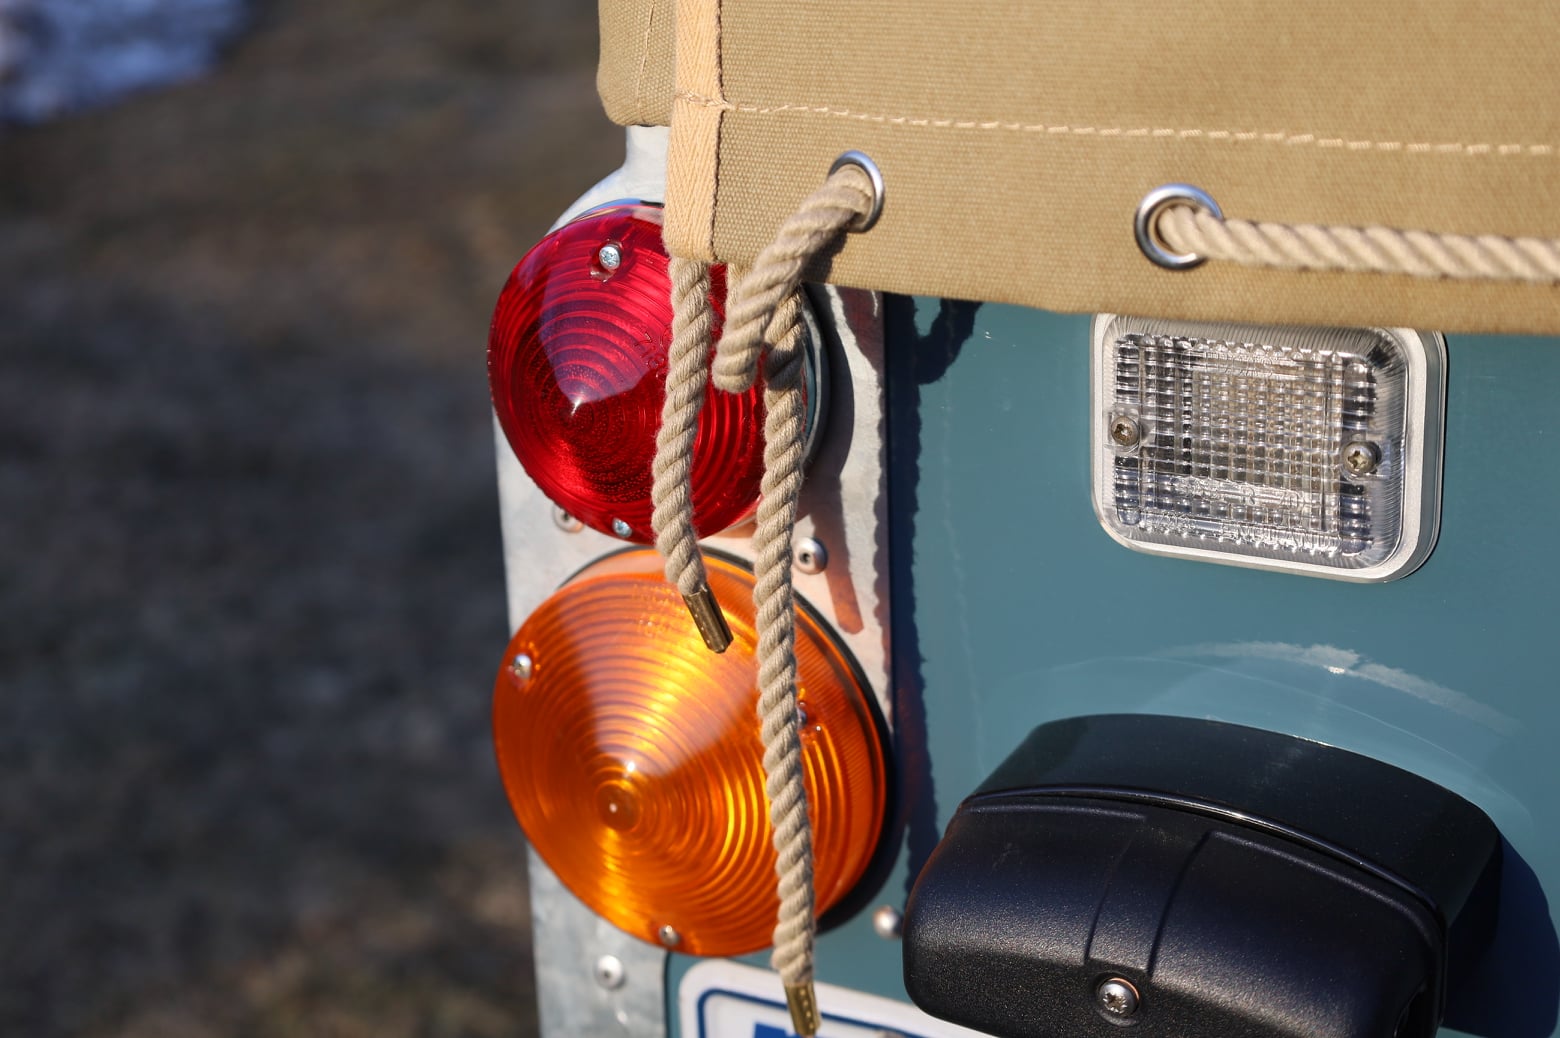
1361, 457
1124, 431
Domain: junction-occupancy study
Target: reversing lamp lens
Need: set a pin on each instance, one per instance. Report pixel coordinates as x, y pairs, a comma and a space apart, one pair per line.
631, 755
1313, 450
577, 365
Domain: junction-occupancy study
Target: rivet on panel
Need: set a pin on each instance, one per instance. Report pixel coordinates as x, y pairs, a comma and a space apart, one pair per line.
888, 922
811, 556
609, 972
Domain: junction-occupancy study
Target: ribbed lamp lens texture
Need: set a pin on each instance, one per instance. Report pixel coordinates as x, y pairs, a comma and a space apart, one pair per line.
1242, 444
577, 358
631, 755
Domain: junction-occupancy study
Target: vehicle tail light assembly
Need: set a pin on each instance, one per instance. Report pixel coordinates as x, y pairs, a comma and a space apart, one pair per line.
577, 357
632, 757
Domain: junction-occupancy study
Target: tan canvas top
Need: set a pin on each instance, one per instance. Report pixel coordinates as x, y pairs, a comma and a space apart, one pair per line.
634, 77
1016, 140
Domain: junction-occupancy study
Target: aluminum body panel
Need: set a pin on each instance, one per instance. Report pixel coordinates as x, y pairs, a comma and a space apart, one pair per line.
570, 941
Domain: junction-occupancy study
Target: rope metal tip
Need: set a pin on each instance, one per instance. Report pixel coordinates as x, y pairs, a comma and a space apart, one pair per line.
708, 618
802, 1000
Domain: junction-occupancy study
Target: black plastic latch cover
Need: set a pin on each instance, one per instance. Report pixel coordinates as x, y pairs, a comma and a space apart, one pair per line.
1184, 877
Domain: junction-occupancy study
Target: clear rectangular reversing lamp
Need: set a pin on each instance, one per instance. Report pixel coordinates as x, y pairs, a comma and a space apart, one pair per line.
1310, 450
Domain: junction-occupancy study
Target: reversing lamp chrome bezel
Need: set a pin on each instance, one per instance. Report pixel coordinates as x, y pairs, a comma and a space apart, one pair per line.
1424, 356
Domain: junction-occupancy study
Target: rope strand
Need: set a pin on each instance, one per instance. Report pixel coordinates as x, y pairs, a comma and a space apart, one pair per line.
763, 307
1378, 250
774, 607
754, 301
687, 375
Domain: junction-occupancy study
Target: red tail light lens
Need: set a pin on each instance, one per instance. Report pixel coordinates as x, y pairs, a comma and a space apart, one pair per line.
577, 364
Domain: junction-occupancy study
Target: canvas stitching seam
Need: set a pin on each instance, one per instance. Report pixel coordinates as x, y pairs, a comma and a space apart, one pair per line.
644, 59
1223, 136
720, 120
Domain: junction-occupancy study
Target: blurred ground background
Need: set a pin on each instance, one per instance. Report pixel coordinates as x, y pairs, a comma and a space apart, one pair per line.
250, 587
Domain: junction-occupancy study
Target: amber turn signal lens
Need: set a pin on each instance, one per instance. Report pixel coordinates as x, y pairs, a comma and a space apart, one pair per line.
631, 755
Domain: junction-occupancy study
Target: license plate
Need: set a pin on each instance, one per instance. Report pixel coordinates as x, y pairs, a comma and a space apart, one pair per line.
721, 999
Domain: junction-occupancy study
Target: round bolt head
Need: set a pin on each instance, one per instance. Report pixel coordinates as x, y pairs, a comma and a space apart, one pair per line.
811, 556
609, 972
622, 529
1361, 457
669, 936
610, 257
888, 922
566, 522
1117, 997
1124, 432
522, 666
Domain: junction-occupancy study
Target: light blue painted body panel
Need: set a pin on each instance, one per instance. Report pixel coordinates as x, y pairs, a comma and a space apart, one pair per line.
1013, 608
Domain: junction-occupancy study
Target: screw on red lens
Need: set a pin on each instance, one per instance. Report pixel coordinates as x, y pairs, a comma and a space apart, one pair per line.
577, 364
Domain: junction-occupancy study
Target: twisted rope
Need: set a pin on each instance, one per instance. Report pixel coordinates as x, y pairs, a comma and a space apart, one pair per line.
1380, 250
763, 307
687, 375
753, 305
774, 605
